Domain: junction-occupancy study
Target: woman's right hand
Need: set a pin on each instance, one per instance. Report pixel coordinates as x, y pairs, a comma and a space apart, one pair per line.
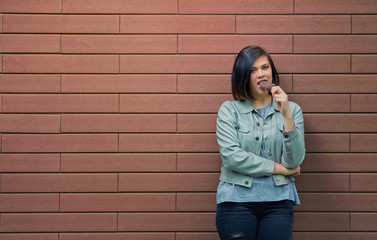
281, 170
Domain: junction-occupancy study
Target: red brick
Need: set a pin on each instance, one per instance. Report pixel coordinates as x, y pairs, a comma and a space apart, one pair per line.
59, 182
123, 83
312, 63
333, 235
60, 143
171, 103
32, 43
321, 222
364, 102
165, 143
166, 222
119, 6
176, 63
323, 182
322, 103
117, 236
363, 222
335, 44
196, 123
363, 142
363, 182
111, 202
119, 44
36, 83
30, 6
333, 7
1, 22
195, 83
331, 202
334, 83
327, 142
194, 236
235, 7
364, 63
29, 236
232, 43
138, 162
56, 103
118, 123
29, 162
22, 123
42, 23
59, 222
168, 182
339, 162
177, 24
293, 24
198, 162
29, 202
52, 63
364, 24
340, 122
187, 202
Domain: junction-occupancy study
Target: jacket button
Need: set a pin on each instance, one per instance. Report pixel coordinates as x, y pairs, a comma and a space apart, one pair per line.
258, 124
286, 136
246, 182
257, 138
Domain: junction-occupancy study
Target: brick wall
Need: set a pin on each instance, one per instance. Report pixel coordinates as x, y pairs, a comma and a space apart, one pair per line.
108, 108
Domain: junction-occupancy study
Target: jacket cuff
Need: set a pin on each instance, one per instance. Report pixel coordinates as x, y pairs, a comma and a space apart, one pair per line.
269, 168
290, 134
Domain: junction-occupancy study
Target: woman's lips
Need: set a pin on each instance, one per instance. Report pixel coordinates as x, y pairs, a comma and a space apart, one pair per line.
261, 81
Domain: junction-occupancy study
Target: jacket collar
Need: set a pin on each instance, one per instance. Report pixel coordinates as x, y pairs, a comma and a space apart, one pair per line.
247, 107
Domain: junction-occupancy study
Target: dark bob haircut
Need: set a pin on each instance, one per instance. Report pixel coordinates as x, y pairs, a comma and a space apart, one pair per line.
242, 71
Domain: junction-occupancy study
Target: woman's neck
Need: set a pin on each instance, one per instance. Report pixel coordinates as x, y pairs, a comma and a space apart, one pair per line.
259, 103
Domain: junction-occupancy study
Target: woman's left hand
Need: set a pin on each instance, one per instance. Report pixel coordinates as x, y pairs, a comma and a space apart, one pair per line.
281, 99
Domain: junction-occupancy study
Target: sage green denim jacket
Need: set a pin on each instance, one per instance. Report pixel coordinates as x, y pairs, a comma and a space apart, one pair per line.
240, 130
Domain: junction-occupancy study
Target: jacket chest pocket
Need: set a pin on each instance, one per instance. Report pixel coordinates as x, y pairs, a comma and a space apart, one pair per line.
243, 130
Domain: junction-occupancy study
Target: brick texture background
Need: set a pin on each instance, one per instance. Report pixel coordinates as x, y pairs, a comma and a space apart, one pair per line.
108, 109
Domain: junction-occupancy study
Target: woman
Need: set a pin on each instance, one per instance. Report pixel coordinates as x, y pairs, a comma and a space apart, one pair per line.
261, 143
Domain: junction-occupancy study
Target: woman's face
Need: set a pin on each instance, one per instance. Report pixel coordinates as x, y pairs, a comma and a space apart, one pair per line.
260, 71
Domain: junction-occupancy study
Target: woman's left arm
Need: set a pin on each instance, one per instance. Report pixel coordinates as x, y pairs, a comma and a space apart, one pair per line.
293, 129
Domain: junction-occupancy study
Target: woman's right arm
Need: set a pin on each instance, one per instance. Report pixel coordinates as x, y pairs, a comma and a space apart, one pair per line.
233, 156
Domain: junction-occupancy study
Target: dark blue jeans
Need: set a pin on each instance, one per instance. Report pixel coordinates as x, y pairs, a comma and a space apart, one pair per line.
255, 221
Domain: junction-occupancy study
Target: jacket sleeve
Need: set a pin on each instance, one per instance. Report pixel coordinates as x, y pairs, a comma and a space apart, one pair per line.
233, 156
294, 141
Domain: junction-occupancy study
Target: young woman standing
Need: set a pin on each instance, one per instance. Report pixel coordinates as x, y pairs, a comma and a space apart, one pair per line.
261, 143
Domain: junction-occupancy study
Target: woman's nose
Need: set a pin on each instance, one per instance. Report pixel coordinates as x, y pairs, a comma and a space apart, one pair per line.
260, 72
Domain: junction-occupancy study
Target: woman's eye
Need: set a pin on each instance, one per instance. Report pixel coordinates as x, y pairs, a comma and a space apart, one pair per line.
265, 67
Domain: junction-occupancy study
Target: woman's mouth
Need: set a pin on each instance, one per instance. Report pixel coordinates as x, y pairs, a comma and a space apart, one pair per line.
261, 81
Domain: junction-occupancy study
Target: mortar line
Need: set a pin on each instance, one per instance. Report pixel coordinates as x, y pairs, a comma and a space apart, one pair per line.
294, 5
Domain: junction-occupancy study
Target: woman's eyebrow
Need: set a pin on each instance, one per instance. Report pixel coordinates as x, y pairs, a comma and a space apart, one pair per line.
261, 65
